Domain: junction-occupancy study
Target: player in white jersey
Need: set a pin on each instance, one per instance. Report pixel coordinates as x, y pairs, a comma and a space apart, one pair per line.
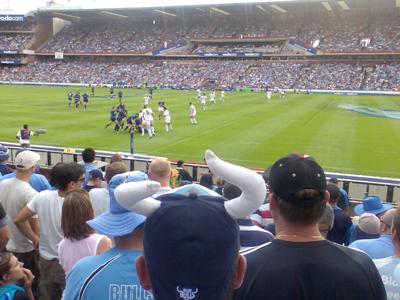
146, 100
212, 97
222, 96
203, 99
281, 93
198, 91
167, 119
147, 120
269, 95
192, 113
161, 108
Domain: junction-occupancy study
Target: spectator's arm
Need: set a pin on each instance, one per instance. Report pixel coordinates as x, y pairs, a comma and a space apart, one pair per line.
4, 229
4, 236
34, 223
23, 224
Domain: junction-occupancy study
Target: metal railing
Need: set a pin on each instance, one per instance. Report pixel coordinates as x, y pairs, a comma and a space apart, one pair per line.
357, 186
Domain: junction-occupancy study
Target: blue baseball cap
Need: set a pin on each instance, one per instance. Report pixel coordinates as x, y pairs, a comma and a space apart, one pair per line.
118, 221
191, 245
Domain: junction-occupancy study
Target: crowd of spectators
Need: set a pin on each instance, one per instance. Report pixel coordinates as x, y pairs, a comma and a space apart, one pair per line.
333, 34
383, 77
14, 41
16, 26
195, 74
304, 223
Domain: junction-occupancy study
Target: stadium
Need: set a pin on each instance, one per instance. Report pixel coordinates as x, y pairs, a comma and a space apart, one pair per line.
251, 80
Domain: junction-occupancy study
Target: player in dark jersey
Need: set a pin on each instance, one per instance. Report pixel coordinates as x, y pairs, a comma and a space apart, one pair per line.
85, 97
120, 96
77, 98
131, 122
121, 115
70, 95
112, 92
92, 94
113, 117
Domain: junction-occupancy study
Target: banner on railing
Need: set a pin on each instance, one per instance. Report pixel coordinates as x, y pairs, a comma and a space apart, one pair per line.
10, 62
59, 55
231, 54
9, 51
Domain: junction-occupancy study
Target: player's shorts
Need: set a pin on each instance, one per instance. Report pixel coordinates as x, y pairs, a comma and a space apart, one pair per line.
113, 119
167, 120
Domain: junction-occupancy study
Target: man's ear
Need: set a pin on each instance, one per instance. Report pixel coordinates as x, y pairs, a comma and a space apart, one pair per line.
241, 266
327, 196
143, 273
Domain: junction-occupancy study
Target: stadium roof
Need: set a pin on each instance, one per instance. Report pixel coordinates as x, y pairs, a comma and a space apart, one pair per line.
271, 6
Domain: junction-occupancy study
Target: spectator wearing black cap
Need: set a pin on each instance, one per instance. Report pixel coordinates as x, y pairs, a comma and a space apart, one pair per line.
300, 263
4, 156
342, 223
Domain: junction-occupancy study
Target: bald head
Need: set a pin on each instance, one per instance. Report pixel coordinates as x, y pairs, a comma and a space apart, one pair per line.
160, 170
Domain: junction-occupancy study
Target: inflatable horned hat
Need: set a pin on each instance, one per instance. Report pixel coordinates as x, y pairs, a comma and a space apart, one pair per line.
191, 237
136, 196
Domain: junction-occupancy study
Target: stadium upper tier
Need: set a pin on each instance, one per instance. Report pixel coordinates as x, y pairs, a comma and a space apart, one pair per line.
333, 35
224, 74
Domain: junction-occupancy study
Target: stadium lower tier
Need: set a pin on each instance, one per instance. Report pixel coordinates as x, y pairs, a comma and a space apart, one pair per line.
211, 74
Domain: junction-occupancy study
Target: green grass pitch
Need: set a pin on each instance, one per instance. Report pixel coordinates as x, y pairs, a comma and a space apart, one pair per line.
245, 129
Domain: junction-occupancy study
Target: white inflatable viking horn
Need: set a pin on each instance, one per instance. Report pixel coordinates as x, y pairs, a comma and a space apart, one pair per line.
135, 196
250, 183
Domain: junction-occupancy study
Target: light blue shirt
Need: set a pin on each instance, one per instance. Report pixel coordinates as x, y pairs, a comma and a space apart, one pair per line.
88, 167
386, 268
37, 181
108, 276
375, 248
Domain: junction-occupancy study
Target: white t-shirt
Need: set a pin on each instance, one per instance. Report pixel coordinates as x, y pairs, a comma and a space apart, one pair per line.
48, 206
14, 196
100, 199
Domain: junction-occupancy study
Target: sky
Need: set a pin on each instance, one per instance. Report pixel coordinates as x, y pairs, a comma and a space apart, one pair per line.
24, 6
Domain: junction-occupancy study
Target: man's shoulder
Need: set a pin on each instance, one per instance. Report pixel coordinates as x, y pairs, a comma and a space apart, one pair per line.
46, 195
358, 244
99, 192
